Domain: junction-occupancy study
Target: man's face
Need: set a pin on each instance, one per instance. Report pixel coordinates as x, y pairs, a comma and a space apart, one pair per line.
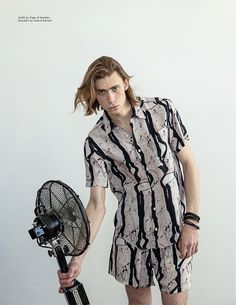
110, 93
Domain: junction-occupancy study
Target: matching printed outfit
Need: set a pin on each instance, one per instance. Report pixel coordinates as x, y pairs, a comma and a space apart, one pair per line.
144, 173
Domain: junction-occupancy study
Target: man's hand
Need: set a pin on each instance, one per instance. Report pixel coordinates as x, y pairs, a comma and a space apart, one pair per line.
188, 242
67, 279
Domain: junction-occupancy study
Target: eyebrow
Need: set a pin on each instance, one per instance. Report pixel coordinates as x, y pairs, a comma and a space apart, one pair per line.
108, 89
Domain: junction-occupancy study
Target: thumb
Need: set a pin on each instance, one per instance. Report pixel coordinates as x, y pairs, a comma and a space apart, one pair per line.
71, 271
73, 268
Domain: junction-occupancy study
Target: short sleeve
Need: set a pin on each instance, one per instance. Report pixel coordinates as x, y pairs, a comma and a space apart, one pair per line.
178, 135
95, 167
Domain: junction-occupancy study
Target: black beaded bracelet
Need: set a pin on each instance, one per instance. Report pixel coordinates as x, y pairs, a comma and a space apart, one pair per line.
191, 224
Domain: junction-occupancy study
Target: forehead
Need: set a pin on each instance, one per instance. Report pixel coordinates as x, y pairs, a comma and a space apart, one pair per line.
108, 81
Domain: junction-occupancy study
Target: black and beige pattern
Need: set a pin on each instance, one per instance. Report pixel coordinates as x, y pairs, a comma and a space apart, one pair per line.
143, 171
135, 267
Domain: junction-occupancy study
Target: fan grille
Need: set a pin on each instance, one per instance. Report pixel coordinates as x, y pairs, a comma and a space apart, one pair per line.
56, 196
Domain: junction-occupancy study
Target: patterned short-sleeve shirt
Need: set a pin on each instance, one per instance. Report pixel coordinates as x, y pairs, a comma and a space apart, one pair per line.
143, 171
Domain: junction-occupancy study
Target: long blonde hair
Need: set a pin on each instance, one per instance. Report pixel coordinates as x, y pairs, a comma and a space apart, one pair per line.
102, 67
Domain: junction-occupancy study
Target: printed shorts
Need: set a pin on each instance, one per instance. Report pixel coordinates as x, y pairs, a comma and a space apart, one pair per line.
132, 266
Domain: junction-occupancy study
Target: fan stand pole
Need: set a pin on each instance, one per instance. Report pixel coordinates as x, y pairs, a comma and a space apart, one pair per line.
75, 295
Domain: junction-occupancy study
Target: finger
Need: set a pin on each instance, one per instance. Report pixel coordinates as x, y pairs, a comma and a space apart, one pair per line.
66, 285
195, 249
189, 252
60, 290
62, 275
67, 282
183, 251
71, 273
74, 273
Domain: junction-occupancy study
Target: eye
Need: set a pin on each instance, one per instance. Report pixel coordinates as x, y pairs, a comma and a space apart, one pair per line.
114, 89
100, 92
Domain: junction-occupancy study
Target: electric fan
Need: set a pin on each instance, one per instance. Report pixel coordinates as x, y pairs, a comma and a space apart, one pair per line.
61, 224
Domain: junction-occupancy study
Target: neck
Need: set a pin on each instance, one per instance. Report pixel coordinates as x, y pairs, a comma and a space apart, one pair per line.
122, 118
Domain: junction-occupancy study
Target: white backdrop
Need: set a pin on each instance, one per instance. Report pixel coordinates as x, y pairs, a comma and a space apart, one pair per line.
182, 50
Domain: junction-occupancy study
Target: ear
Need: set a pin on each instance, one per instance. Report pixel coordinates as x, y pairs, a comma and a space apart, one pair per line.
126, 84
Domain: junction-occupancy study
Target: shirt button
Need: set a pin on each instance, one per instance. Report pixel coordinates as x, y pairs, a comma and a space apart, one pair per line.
139, 150
154, 209
155, 229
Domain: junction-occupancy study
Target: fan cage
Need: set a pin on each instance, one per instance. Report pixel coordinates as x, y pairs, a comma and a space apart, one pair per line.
56, 196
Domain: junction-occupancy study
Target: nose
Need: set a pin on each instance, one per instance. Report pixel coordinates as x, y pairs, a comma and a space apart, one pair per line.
110, 97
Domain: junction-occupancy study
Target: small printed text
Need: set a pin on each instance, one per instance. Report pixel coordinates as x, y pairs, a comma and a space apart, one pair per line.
37, 19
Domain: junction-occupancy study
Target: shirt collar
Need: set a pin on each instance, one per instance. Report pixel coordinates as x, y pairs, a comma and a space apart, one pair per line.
108, 123
138, 112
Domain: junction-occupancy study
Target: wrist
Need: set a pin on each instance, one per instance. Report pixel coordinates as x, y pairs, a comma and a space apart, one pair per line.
191, 224
192, 219
76, 259
190, 216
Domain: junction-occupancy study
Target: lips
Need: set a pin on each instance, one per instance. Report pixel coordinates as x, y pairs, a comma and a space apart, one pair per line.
113, 107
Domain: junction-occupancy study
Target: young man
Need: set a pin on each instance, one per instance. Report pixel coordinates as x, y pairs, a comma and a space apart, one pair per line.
140, 147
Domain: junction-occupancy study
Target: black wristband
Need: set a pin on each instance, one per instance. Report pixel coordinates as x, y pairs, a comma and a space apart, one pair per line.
192, 216
191, 224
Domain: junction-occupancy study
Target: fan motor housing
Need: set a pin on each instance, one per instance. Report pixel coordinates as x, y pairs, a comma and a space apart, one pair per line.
46, 227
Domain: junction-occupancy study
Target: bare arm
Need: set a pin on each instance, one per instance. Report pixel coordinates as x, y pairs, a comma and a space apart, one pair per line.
189, 235
95, 211
191, 179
